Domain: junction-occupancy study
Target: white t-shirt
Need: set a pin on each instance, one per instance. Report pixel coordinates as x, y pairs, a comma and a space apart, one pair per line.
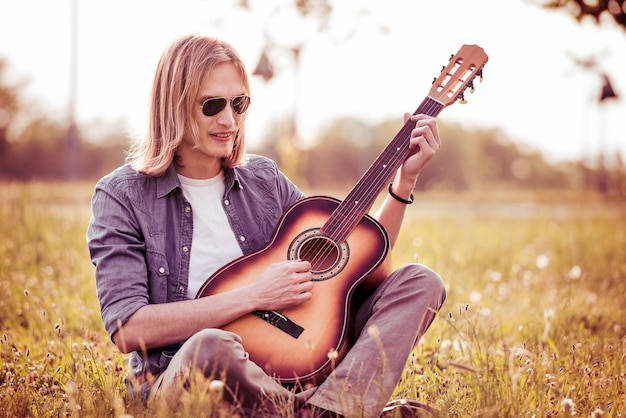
213, 242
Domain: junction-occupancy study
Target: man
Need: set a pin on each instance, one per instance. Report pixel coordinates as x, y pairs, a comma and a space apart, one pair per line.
190, 201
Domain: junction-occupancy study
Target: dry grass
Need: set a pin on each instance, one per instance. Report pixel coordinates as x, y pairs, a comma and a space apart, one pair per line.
534, 324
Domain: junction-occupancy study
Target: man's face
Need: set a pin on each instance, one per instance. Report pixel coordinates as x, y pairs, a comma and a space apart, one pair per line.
217, 132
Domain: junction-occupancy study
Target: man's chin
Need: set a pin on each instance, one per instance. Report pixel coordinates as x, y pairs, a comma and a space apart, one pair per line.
220, 150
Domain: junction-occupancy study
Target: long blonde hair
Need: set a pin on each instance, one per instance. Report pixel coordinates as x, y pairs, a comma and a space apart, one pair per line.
178, 77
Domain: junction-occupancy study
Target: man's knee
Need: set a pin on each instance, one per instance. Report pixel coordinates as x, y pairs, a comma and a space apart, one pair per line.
424, 279
212, 348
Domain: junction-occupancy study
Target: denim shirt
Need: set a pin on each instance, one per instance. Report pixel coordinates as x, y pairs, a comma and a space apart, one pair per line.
140, 234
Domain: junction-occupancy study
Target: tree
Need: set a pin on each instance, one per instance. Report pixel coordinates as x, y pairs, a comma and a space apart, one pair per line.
9, 107
343, 151
615, 9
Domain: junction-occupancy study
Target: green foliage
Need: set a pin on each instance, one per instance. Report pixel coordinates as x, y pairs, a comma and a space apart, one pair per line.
534, 322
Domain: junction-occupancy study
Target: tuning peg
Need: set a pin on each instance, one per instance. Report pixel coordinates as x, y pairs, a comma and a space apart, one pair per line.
471, 87
479, 73
461, 98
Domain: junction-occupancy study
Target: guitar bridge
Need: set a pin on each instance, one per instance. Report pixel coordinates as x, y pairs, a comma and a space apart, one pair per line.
281, 322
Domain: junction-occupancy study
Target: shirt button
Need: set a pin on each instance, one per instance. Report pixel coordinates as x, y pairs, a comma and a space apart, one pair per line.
181, 288
187, 209
185, 249
161, 270
227, 202
242, 238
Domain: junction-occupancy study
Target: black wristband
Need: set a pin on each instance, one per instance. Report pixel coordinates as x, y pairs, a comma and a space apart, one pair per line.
398, 198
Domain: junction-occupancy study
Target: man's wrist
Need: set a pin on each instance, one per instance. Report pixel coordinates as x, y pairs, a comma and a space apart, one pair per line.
398, 197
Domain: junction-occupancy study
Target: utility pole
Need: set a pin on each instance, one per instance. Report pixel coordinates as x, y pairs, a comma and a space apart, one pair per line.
72, 139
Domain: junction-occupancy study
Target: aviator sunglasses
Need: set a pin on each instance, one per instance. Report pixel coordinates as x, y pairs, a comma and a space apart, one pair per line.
215, 105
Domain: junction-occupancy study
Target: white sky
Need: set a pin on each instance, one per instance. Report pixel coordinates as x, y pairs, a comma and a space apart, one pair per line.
532, 89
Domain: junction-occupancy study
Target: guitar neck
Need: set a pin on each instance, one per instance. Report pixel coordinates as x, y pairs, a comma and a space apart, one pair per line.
455, 77
362, 196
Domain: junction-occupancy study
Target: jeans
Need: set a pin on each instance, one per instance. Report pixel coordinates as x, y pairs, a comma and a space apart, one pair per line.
388, 326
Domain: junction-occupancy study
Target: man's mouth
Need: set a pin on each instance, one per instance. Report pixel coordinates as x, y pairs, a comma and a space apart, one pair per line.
223, 136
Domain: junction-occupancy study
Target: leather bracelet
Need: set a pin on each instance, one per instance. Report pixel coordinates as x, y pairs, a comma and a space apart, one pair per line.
398, 198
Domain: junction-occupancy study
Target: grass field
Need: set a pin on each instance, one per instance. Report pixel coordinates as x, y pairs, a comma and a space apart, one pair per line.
534, 324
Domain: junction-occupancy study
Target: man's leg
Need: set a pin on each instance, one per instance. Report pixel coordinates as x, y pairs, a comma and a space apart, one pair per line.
219, 355
388, 326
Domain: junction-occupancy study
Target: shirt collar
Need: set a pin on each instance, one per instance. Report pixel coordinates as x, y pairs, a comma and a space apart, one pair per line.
167, 182
232, 179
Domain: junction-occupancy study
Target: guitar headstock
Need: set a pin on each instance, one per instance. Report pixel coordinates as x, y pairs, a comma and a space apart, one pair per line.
459, 74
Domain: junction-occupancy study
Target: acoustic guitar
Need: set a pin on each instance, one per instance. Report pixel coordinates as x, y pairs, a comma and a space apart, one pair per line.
344, 246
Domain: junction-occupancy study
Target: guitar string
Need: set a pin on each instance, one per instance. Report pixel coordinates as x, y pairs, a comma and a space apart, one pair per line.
325, 247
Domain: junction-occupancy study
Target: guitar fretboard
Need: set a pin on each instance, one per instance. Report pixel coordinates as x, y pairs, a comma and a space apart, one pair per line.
345, 218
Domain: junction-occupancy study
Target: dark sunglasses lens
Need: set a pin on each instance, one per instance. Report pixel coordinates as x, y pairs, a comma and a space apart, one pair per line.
212, 107
240, 104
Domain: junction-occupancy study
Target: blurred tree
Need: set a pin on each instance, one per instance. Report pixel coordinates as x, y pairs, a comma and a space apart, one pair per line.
595, 9
342, 153
505, 163
9, 107
457, 160
470, 159
38, 153
104, 147
35, 152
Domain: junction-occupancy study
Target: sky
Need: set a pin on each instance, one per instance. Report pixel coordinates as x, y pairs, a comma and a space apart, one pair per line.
372, 66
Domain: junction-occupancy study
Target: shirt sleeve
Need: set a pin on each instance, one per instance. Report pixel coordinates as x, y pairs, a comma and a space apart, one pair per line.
117, 250
290, 192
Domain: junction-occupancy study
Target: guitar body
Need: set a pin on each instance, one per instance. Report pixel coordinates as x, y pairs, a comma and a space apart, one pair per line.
323, 321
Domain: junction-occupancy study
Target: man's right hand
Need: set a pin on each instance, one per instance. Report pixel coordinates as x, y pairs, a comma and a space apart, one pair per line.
283, 284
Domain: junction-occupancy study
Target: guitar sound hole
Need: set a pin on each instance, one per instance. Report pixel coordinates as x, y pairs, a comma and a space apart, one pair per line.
327, 257
321, 253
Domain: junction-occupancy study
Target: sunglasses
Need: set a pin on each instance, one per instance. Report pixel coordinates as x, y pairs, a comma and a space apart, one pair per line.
215, 105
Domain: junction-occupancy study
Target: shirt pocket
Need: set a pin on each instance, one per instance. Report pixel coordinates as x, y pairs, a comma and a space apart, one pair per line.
158, 275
